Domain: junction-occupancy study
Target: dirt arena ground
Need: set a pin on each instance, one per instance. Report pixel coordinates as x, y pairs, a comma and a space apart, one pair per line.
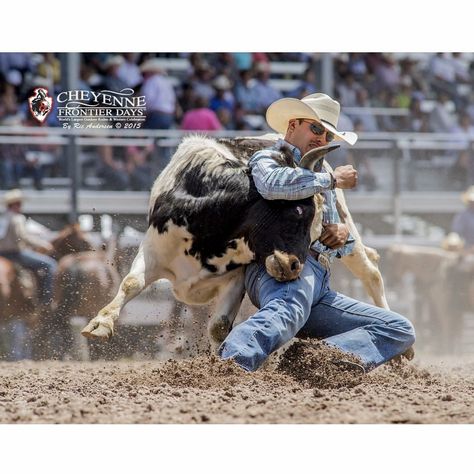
206, 390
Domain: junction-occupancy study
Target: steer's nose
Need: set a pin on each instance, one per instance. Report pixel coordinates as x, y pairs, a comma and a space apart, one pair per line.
294, 263
283, 266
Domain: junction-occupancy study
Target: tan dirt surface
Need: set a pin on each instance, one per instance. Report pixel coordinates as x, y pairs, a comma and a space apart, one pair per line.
206, 390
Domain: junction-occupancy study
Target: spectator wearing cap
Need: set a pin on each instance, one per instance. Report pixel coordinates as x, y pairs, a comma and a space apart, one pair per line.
356, 65
463, 222
387, 74
266, 93
202, 81
129, 72
201, 117
223, 98
17, 244
246, 93
112, 80
159, 94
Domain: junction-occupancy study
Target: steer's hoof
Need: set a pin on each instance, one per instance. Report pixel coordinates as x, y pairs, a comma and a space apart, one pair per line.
98, 330
218, 330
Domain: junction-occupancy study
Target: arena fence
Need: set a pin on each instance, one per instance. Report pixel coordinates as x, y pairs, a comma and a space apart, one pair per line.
400, 173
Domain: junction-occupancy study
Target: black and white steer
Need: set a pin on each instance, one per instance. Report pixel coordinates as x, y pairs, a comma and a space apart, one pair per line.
207, 221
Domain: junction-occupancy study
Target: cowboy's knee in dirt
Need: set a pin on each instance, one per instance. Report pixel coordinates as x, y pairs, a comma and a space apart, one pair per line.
404, 327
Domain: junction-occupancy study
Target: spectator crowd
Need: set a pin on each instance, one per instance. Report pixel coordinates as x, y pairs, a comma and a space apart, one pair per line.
430, 92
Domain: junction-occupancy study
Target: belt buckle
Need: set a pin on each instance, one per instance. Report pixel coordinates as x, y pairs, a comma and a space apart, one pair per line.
323, 260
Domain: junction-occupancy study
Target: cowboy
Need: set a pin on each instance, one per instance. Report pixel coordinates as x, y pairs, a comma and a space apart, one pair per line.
463, 222
307, 307
14, 240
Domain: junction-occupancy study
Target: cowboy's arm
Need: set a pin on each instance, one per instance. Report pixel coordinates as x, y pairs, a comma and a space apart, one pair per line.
274, 181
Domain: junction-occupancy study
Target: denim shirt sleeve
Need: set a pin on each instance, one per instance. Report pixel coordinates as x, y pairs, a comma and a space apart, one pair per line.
274, 181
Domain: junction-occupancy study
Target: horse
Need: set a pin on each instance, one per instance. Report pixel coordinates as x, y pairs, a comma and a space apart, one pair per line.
17, 304
86, 279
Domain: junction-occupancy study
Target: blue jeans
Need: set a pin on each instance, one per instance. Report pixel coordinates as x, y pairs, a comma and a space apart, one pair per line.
37, 262
307, 307
158, 120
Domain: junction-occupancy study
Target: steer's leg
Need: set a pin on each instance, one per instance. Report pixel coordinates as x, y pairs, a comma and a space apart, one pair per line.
362, 263
227, 306
145, 270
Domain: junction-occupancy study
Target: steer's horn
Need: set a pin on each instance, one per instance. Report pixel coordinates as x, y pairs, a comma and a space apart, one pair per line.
310, 159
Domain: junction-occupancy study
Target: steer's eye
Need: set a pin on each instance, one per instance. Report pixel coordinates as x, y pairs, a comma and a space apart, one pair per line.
299, 210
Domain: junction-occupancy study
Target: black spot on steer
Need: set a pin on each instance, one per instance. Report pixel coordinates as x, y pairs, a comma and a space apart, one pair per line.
217, 211
232, 266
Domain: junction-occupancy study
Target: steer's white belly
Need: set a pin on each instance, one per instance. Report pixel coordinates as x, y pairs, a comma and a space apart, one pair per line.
192, 283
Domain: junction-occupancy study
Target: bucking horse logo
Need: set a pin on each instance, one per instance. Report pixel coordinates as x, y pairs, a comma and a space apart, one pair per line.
40, 104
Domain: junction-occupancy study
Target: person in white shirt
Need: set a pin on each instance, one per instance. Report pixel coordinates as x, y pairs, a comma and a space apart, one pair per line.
129, 71
159, 94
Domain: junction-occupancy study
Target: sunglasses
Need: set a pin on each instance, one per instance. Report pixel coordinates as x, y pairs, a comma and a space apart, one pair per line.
319, 130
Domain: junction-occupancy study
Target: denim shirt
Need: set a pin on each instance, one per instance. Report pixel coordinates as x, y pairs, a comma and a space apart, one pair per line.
274, 181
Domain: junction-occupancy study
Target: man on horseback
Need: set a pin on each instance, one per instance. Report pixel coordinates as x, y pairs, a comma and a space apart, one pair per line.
15, 240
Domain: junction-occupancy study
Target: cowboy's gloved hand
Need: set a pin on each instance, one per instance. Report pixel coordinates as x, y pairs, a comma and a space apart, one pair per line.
334, 236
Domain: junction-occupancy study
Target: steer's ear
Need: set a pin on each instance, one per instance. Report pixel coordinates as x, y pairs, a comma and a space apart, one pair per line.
310, 159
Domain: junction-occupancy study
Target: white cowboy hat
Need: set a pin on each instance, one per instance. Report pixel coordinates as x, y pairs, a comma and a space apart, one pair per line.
452, 242
468, 196
152, 65
12, 196
222, 83
116, 60
319, 107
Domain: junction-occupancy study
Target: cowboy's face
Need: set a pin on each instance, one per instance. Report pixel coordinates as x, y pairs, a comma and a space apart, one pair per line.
304, 136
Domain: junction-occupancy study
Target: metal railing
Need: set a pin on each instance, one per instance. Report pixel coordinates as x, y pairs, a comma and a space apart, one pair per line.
404, 176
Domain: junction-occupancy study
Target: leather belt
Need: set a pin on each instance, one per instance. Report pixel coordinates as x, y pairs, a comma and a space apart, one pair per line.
321, 258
